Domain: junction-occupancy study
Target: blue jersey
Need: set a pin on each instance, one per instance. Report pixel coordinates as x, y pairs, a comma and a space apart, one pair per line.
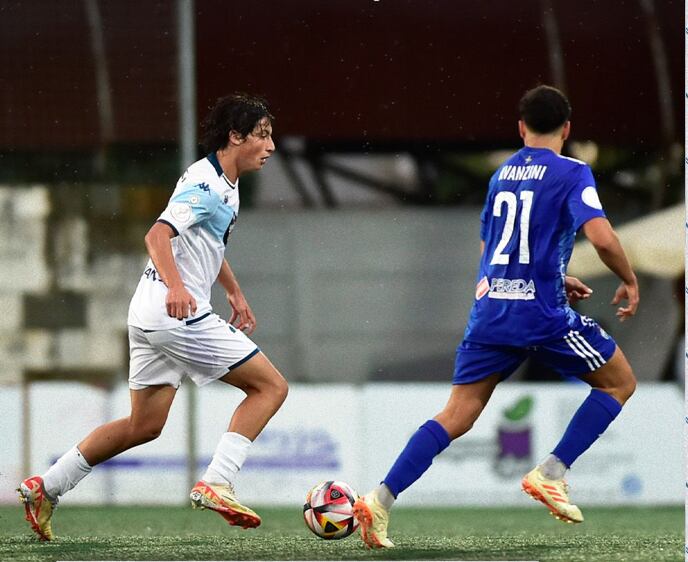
536, 202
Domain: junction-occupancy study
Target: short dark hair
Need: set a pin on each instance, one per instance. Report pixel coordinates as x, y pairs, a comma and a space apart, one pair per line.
544, 109
238, 112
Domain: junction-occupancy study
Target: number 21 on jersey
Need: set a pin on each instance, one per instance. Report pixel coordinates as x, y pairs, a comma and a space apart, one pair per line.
508, 199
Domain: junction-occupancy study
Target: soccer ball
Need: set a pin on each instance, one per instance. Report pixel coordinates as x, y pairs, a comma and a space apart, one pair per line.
328, 510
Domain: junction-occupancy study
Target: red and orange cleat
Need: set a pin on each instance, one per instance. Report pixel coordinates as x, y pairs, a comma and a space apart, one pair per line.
38, 507
221, 498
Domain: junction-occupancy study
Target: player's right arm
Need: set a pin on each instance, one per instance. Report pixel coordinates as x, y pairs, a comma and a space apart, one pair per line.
606, 243
179, 302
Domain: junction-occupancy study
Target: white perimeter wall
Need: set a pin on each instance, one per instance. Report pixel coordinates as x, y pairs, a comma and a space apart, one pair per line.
344, 296
354, 433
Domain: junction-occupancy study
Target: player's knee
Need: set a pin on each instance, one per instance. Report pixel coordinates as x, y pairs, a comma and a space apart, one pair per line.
145, 432
622, 389
461, 429
455, 425
627, 388
151, 433
279, 389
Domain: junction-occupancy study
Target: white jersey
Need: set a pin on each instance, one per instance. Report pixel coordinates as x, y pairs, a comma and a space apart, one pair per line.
202, 212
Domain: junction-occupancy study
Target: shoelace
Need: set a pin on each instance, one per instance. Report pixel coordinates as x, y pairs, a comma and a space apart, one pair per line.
230, 489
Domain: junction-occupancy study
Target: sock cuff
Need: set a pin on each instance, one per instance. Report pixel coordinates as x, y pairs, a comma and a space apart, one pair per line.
238, 437
80, 459
392, 489
607, 401
438, 432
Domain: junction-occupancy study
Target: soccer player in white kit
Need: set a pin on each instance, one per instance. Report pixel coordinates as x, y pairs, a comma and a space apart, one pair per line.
174, 333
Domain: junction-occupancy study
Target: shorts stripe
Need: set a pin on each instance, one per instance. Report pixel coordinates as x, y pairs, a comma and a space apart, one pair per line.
242, 361
194, 320
581, 343
575, 346
590, 348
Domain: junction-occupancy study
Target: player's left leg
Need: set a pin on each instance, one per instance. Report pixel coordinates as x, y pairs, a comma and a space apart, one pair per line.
266, 390
590, 354
211, 350
612, 385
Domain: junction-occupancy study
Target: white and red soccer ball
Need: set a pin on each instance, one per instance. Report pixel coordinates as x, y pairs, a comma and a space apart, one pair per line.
328, 510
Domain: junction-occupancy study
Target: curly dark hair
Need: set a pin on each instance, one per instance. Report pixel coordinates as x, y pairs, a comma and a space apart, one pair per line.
238, 112
544, 109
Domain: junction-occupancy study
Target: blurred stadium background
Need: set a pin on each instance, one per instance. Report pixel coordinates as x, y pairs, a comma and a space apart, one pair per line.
357, 244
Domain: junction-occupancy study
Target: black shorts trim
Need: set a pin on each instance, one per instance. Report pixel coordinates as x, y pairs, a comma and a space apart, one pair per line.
194, 320
241, 362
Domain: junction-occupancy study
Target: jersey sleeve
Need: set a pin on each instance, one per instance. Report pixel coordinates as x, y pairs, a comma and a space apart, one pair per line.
583, 202
486, 208
190, 205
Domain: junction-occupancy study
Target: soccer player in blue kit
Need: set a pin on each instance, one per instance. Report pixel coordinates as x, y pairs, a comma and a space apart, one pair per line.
173, 332
536, 202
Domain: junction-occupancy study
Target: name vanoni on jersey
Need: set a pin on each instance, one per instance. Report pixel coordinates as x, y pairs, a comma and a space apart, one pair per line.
202, 212
536, 202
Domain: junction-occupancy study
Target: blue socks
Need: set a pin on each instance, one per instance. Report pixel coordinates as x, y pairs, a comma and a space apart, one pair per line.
594, 416
591, 420
425, 444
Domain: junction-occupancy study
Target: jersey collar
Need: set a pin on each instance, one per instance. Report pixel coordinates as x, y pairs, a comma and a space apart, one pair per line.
212, 158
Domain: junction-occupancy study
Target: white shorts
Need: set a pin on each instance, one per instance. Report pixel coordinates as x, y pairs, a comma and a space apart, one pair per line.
204, 350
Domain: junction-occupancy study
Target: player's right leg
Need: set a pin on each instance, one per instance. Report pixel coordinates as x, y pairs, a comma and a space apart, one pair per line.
40, 494
478, 371
149, 408
465, 404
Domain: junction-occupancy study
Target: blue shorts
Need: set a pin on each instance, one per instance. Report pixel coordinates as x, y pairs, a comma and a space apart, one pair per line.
584, 348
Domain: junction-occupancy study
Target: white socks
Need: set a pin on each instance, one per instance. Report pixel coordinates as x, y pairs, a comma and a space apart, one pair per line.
384, 496
552, 468
66, 473
71, 467
228, 459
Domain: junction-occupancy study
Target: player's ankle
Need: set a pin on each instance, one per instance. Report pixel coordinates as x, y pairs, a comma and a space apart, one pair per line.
552, 468
384, 496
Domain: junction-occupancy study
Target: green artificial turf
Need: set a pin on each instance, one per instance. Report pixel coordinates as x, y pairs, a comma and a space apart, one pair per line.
178, 533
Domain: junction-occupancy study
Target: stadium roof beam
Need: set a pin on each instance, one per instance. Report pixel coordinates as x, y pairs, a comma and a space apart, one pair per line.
287, 161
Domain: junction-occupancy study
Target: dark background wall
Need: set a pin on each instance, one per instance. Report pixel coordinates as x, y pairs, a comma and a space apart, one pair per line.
340, 71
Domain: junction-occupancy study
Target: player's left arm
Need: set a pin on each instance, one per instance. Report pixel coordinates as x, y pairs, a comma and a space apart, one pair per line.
587, 213
576, 290
242, 315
